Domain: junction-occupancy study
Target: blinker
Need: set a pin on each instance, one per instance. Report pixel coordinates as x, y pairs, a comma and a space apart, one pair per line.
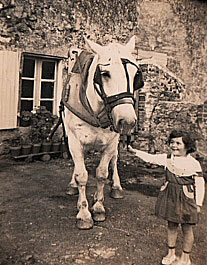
97, 76
138, 80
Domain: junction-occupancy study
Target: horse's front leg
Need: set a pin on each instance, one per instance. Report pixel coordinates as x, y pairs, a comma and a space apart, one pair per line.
80, 175
101, 175
116, 189
72, 188
84, 219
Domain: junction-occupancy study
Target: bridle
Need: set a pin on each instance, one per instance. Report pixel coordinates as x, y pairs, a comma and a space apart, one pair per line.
103, 119
112, 101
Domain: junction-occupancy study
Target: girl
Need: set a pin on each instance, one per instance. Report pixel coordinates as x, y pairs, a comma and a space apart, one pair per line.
182, 194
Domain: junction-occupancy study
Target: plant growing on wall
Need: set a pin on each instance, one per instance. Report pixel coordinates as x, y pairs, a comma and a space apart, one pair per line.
26, 140
25, 118
15, 141
41, 123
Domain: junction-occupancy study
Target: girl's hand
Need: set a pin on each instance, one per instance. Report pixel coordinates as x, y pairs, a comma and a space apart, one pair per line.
131, 150
198, 209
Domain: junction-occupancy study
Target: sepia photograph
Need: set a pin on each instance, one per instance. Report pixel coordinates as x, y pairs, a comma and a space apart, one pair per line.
103, 132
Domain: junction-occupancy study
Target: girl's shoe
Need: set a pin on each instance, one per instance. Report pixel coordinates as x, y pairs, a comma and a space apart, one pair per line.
183, 263
169, 260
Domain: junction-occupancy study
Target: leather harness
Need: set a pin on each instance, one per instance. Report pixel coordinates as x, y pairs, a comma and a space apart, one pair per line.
104, 118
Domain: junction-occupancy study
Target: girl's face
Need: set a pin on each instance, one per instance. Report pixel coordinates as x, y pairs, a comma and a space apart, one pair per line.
178, 147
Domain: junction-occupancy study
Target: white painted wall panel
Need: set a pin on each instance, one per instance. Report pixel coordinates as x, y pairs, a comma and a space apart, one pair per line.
9, 88
59, 87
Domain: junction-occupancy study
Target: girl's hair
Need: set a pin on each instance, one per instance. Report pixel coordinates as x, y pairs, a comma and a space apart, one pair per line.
189, 142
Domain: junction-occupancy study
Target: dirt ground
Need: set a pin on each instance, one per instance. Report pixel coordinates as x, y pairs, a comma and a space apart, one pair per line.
37, 218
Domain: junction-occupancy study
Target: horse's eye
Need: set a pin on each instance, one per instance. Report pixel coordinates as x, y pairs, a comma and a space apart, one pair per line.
105, 74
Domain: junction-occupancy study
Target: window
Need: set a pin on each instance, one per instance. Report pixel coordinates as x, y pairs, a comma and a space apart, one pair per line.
39, 83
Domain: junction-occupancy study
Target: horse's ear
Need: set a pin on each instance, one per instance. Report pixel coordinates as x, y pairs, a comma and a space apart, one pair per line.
131, 44
94, 47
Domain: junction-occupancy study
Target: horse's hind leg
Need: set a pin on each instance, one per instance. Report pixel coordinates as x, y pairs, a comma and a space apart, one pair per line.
116, 190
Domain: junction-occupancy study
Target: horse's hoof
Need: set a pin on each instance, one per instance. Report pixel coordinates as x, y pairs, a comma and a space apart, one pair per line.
71, 190
84, 224
117, 194
99, 217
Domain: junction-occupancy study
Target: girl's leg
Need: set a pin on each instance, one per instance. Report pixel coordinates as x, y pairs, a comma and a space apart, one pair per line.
188, 239
172, 237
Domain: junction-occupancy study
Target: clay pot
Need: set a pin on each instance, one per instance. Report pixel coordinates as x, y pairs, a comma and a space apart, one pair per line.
55, 147
36, 148
15, 150
46, 147
26, 149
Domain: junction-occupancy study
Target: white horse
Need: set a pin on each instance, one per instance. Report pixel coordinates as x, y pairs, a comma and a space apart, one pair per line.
99, 106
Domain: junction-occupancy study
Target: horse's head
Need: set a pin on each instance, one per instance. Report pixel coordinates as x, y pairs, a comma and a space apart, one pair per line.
115, 75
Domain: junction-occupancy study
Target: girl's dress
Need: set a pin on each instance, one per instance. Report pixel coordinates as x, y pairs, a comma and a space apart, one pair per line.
177, 200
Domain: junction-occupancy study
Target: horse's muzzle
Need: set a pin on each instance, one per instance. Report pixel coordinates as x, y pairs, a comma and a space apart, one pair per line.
125, 127
124, 118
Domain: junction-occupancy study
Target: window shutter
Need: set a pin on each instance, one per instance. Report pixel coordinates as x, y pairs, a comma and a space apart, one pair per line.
9, 88
59, 86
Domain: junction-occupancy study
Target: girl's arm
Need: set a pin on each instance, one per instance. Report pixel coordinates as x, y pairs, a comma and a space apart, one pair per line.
200, 190
159, 159
199, 183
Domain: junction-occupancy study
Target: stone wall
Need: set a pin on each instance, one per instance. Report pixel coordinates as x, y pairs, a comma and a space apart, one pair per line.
162, 108
53, 26
178, 28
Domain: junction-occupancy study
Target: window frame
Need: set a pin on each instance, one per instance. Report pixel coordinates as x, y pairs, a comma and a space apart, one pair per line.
39, 58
